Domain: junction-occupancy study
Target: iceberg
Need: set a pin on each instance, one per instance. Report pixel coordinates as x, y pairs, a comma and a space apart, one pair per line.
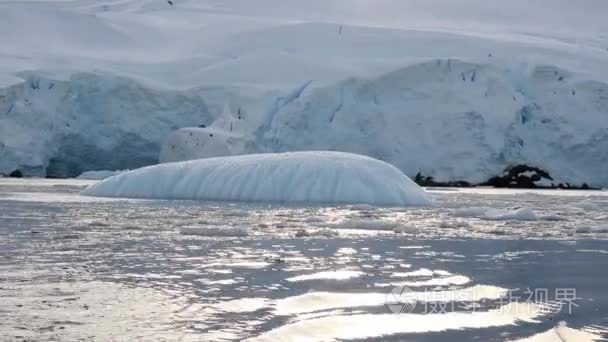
295, 177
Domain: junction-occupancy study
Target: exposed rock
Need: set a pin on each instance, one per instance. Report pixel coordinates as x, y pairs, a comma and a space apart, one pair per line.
16, 174
520, 176
429, 181
524, 176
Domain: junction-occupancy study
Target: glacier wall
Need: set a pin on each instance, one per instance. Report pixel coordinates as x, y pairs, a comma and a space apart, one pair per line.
63, 127
447, 119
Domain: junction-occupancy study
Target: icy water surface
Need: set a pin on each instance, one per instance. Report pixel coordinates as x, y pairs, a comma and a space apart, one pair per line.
478, 265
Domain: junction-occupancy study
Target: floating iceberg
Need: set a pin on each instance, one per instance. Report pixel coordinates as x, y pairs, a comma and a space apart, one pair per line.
301, 177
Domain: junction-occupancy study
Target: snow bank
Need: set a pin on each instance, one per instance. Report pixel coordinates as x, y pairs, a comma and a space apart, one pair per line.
99, 175
522, 214
317, 177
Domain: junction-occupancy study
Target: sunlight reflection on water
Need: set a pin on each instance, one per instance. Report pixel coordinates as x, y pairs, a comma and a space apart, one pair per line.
123, 269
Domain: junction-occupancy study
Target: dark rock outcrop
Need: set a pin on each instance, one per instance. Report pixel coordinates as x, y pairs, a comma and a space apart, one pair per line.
16, 174
519, 176
429, 181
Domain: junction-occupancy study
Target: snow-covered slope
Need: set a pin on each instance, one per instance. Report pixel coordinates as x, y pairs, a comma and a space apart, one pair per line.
301, 177
278, 43
128, 72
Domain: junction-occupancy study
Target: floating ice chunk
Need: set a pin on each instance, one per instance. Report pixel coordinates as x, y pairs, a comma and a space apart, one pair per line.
470, 212
314, 219
346, 251
600, 229
451, 280
96, 223
333, 275
248, 264
99, 175
367, 224
406, 229
361, 207
219, 282
236, 213
214, 231
583, 230
454, 224
220, 271
522, 214
552, 217
413, 247
494, 230
306, 177
592, 229
589, 204
130, 226
318, 232
562, 333
423, 272
302, 233
242, 305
